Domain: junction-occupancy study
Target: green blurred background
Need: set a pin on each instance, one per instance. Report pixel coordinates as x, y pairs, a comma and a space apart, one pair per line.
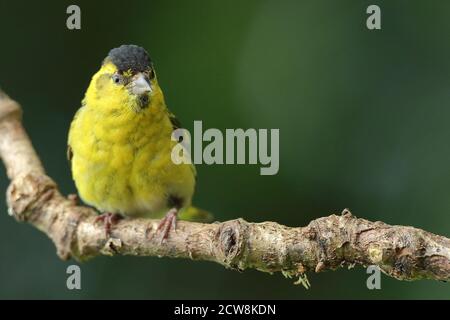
363, 118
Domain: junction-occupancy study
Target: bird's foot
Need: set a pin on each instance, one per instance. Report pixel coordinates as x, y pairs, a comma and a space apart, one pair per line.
168, 223
108, 219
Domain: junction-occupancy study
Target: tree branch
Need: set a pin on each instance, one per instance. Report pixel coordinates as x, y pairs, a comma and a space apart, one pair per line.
405, 253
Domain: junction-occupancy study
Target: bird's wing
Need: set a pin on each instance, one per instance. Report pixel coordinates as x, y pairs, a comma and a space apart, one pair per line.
176, 124
69, 153
69, 148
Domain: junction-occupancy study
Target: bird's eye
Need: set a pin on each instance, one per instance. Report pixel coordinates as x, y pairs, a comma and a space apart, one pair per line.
117, 78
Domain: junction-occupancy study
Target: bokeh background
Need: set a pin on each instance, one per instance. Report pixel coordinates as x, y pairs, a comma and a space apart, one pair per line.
363, 117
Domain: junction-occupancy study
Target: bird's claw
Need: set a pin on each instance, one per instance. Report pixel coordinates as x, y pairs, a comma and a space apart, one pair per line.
108, 219
168, 223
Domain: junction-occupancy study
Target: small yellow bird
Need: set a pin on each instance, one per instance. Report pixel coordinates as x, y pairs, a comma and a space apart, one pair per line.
120, 145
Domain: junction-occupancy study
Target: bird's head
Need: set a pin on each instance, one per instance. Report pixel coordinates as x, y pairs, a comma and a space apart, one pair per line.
126, 81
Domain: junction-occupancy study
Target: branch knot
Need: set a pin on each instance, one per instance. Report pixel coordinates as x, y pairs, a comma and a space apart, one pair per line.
27, 192
231, 236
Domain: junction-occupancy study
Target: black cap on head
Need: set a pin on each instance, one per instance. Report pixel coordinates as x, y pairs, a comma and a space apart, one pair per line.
128, 57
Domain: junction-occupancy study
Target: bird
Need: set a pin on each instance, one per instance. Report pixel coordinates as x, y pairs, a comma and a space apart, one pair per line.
119, 146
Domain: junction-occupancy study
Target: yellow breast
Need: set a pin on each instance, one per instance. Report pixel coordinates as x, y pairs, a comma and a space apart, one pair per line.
122, 159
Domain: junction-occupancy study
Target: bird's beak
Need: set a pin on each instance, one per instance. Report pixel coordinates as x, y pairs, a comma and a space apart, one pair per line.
140, 85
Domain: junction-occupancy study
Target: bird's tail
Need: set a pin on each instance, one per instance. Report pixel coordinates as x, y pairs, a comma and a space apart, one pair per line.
195, 214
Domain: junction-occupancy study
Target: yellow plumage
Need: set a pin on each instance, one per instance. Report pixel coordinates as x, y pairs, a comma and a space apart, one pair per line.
121, 147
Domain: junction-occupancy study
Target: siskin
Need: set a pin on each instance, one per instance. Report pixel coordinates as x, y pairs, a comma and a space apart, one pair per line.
120, 146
